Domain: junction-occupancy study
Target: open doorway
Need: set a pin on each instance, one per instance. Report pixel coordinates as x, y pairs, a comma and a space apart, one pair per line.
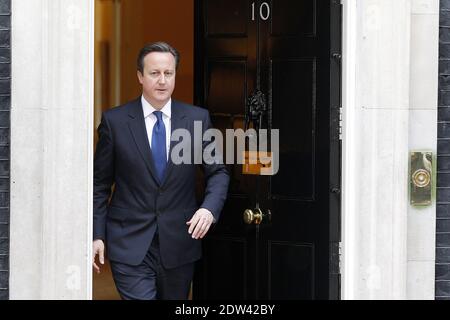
292, 251
122, 28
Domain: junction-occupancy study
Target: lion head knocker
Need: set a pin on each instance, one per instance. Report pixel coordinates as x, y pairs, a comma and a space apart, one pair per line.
256, 109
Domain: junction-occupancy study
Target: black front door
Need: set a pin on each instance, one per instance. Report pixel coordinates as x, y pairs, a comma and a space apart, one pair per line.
288, 51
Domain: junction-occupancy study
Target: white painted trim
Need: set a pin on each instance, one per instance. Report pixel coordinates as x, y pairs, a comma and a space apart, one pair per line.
51, 149
90, 147
349, 156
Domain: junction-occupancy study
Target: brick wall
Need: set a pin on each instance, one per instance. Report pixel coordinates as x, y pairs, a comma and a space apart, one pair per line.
443, 176
5, 105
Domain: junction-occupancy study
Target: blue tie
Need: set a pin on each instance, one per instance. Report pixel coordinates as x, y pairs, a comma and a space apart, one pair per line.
159, 145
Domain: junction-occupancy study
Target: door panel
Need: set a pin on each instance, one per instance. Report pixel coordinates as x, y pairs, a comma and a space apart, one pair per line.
232, 254
295, 53
286, 279
284, 53
293, 18
295, 178
231, 75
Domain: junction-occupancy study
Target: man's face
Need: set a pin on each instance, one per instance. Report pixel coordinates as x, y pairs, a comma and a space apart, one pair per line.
158, 78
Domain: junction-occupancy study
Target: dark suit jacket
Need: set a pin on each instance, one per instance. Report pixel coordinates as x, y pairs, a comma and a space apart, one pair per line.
139, 202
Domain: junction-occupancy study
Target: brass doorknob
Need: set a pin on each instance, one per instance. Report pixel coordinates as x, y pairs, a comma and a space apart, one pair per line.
253, 216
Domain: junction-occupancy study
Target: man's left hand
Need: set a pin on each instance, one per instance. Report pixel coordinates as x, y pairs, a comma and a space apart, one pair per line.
200, 223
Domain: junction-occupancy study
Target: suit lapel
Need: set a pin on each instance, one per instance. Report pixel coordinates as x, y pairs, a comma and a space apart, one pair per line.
177, 121
138, 130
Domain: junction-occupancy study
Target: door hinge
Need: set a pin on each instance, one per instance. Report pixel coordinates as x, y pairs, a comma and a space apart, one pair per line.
340, 256
337, 56
336, 254
336, 123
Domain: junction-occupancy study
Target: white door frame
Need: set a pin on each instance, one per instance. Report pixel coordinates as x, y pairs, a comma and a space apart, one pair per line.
349, 156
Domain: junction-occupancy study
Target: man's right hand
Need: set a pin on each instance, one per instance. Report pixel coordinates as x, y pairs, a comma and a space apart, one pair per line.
98, 247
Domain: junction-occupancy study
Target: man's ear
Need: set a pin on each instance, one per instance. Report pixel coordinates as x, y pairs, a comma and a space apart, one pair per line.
140, 76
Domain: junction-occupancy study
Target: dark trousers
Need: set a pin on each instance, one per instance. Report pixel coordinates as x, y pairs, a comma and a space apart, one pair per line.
150, 280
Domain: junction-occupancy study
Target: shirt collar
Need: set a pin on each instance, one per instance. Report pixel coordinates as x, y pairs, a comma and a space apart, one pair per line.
148, 108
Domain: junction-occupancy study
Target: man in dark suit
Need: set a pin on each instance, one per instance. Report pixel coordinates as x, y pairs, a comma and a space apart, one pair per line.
152, 225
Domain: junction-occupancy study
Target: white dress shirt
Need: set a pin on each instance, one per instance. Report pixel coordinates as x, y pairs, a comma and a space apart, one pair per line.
150, 120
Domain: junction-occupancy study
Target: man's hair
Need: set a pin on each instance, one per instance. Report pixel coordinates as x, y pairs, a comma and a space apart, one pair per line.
156, 47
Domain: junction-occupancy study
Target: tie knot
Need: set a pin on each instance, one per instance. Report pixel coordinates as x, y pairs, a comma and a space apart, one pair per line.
158, 115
